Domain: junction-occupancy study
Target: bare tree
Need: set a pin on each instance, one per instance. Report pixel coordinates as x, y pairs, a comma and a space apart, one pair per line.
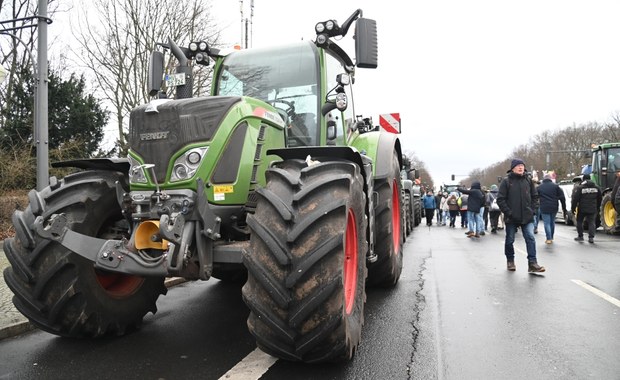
116, 37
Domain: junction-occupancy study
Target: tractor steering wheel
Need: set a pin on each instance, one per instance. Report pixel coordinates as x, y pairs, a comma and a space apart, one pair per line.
287, 112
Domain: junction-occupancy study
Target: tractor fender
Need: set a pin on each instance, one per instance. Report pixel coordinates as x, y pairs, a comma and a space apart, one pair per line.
380, 147
341, 152
108, 164
388, 144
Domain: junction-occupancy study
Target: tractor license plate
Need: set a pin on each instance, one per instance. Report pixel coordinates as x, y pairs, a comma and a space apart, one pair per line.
173, 80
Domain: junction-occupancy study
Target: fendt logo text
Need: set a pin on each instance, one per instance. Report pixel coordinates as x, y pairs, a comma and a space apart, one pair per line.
154, 136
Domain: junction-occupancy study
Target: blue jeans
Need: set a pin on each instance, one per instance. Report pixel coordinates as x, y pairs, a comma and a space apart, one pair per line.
480, 220
528, 235
537, 217
475, 222
549, 221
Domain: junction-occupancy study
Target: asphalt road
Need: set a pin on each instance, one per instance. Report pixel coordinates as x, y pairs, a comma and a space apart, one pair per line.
455, 314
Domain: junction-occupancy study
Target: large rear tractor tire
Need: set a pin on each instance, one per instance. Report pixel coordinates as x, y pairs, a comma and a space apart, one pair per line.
61, 292
388, 231
417, 212
608, 215
408, 214
307, 262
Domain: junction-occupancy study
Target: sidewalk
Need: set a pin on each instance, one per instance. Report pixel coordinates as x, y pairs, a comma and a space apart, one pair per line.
12, 322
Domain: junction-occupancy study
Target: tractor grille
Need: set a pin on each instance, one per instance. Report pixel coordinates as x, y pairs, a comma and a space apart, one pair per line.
157, 133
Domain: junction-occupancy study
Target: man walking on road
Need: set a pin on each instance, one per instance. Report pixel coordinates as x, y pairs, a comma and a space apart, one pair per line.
429, 207
587, 197
517, 198
550, 193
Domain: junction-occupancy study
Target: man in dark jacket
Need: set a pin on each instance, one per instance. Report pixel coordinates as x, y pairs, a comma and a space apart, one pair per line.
517, 198
550, 193
587, 197
475, 205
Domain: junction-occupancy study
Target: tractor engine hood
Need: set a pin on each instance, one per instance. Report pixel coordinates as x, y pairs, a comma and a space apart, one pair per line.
161, 128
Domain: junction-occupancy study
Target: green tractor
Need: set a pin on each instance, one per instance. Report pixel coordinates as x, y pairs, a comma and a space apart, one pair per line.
269, 181
605, 164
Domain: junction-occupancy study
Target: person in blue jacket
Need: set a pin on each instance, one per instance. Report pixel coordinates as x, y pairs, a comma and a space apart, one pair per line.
429, 207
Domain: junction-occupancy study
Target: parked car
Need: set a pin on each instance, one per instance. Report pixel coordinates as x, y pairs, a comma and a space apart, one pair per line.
567, 188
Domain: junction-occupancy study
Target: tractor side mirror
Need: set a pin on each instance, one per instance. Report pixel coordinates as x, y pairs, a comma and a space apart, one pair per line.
366, 45
156, 72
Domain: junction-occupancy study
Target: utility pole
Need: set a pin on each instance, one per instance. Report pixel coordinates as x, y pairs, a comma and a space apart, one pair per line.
41, 135
246, 25
41, 81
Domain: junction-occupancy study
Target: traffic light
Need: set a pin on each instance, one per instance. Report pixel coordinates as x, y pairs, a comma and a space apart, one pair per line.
453, 177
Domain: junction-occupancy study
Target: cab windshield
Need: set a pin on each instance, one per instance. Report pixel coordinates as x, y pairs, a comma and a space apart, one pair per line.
286, 77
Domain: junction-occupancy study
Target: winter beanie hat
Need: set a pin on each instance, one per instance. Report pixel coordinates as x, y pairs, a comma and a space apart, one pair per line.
515, 162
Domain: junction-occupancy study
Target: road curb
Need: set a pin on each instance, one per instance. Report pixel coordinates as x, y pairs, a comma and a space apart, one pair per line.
19, 328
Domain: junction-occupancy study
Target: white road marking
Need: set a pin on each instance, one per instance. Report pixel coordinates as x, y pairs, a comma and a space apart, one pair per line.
603, 295
252, 367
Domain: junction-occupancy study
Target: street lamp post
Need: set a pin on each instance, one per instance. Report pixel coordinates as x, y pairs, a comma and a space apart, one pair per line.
42, 139
40, 104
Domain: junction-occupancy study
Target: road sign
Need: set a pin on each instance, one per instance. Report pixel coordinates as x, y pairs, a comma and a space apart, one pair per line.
390, 122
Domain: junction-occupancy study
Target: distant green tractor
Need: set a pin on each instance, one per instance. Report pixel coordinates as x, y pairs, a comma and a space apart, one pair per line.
605, 163
270, 180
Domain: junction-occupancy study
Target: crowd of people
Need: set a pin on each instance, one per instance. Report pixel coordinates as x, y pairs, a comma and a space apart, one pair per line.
518, 203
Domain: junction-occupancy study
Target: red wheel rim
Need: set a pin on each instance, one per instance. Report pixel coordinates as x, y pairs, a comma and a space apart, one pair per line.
395, 217
350, 262
118, 285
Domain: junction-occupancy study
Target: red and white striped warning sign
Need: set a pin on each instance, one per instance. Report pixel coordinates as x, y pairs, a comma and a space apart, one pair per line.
390, 122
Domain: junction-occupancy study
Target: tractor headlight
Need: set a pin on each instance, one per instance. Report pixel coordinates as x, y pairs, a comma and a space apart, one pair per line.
341, 101
186, 165
136, 171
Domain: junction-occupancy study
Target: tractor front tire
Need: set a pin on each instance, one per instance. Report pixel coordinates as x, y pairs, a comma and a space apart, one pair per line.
388, 230
307, 262
60, 291
608, 215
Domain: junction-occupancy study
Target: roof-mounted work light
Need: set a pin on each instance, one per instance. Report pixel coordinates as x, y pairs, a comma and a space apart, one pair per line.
326, 29
199, 50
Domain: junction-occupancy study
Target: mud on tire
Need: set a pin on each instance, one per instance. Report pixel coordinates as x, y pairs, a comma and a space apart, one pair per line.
388, 230
306, 262
58, 290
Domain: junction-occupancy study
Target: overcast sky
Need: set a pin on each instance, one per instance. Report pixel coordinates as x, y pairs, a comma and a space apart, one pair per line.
471, 79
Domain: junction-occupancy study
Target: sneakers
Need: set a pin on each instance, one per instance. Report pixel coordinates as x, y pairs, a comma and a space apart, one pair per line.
476, 235
579, 238
470, 233
482, 233
511, 266
534, 267
591, 240
548, 241
493, 231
